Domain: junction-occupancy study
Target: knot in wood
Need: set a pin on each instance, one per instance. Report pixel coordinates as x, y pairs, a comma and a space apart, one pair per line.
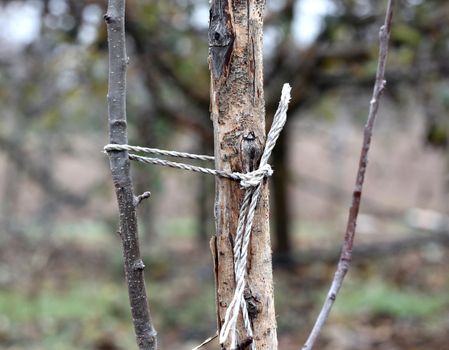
250, 151
138, 265
220, 36
251, 303
107, 18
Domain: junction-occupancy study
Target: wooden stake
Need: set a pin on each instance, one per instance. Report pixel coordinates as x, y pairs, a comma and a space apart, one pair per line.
238, 115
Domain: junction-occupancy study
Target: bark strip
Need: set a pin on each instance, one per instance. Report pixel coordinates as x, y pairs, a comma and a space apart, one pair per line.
238, 115
120, 170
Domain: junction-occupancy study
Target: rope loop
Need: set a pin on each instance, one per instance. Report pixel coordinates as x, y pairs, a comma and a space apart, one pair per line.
255, 177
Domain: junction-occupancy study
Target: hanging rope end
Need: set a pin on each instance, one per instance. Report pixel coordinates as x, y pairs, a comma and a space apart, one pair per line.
286, 93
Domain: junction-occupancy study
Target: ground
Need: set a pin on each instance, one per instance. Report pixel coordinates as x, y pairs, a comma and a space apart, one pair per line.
62, 284
68, 293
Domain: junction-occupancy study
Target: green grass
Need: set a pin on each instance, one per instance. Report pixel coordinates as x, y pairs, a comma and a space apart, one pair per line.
377, 297
89, 232
183, 227
87, 301
78, 310
69, 319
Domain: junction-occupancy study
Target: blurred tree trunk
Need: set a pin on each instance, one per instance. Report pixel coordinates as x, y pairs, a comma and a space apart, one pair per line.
282, 222
146, 135
49, 206
238, 115
205, 200
10, 196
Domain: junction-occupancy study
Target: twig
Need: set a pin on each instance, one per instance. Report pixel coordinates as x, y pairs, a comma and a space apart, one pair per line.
207, 341
120, 169
141, 197
346, 252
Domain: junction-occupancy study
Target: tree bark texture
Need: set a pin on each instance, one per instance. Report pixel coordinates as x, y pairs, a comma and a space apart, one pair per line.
120, 169
238, 115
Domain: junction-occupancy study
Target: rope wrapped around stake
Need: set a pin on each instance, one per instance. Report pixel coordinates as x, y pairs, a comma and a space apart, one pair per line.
243, 235
252, 182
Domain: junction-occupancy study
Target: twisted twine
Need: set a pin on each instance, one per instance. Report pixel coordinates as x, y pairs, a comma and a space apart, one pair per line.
246, 179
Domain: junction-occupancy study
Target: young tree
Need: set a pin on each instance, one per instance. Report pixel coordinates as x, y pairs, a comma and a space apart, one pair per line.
120, 169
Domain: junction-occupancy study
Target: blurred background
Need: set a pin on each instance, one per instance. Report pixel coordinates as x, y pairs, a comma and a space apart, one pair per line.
61, 276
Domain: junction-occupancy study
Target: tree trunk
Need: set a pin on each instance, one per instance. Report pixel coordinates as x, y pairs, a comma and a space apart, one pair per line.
10, 199
238, 115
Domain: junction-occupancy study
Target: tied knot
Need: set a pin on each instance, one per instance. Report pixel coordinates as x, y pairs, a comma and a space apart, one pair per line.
255, 177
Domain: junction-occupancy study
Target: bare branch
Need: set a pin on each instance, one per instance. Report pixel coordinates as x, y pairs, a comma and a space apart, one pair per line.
120, 169
207, 341
346, 252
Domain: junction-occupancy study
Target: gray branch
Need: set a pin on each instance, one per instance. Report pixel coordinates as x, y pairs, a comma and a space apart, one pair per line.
346, 252
120, 169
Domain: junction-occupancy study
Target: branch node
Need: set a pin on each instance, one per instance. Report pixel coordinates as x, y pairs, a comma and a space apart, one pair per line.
383, 33
140, 198
138, 265
108, 18
251, 303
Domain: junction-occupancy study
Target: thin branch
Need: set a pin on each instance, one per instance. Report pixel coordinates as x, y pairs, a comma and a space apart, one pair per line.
120, 169
207, 341
346, 252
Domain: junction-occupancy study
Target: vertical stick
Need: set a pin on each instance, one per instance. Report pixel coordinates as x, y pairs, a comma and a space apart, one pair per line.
346, 252
238, 115
120, 169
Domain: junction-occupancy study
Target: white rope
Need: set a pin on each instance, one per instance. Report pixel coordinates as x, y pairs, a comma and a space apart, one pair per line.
114, 147
252, 181
246, 180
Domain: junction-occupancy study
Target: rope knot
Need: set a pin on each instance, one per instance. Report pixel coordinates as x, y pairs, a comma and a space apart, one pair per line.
255, 177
